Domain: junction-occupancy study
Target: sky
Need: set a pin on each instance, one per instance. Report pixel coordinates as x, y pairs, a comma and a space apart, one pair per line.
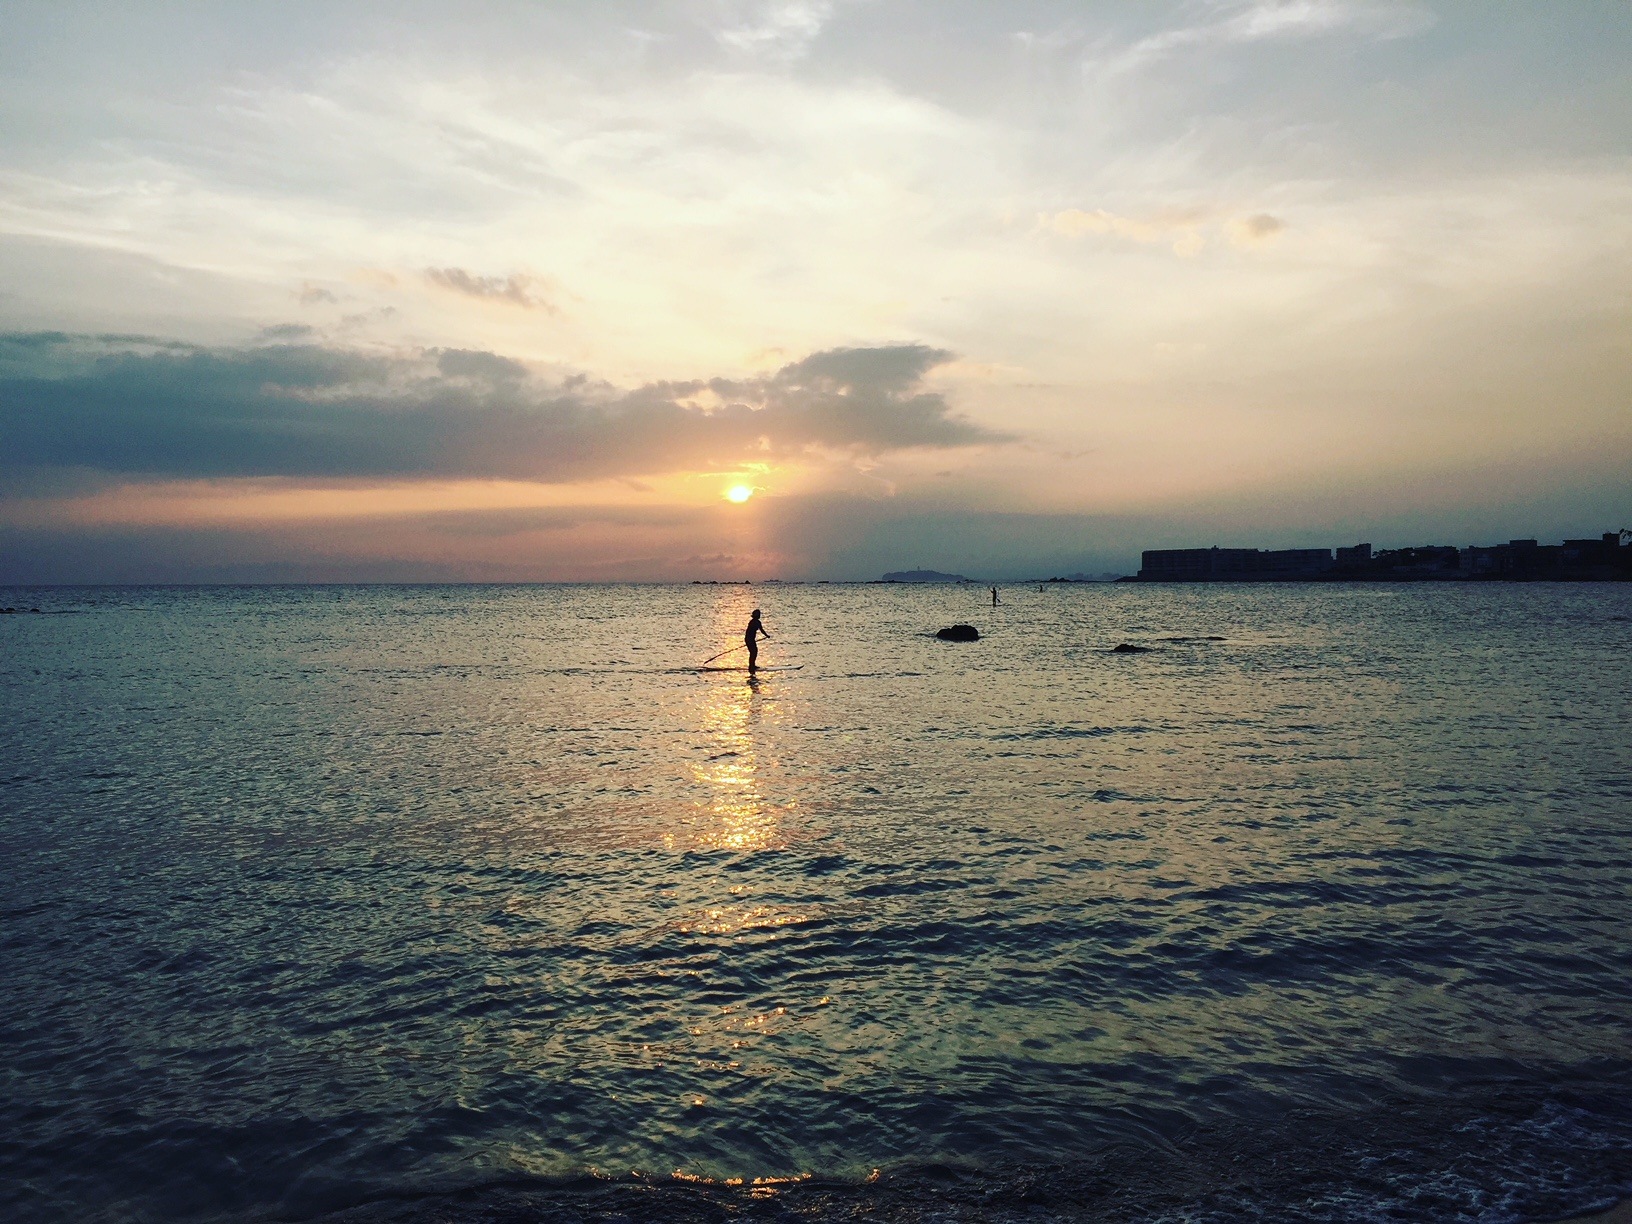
524, 291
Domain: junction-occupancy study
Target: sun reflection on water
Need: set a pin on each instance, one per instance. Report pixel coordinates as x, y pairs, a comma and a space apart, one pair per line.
741, 818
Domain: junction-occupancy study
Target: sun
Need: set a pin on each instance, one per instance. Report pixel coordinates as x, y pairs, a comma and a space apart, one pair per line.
739, 493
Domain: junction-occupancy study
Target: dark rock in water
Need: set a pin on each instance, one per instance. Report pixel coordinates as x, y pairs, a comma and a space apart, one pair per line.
1125, 648
959, 633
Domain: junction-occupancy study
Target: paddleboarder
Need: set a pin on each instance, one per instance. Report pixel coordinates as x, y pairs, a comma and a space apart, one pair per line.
750, 639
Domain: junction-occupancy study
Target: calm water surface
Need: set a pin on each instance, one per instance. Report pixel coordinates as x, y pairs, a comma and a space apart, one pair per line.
458, 900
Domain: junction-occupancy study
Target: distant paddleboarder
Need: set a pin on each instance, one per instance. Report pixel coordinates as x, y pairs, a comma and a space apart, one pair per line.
750, 639
994, 597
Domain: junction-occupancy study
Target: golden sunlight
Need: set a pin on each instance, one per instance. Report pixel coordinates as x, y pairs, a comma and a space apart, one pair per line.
739, 493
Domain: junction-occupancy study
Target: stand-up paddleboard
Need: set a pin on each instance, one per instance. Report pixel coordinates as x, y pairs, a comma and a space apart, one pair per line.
795, 667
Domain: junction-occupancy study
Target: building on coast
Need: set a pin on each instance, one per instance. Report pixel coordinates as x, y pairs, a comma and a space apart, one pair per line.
1606, 558
1354, 557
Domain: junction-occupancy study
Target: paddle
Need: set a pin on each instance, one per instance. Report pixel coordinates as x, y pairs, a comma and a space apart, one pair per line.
723, 653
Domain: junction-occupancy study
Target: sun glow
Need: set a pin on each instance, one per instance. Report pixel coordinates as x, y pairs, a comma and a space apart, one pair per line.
739, 493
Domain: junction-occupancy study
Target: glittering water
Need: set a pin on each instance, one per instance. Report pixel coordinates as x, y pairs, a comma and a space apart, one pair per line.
321, 897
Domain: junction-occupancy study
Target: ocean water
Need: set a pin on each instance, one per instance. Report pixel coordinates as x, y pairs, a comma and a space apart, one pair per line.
480, 903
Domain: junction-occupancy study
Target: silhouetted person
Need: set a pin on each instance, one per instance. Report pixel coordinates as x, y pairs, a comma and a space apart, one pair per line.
751, 637
994, 597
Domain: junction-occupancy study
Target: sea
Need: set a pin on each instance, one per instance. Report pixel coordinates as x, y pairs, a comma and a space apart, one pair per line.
484, 905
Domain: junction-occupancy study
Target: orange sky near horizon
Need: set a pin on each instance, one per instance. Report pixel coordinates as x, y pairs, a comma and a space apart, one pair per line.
526, 293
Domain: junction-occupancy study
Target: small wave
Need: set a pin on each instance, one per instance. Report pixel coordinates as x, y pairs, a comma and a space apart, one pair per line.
1057, 732
1416, 1165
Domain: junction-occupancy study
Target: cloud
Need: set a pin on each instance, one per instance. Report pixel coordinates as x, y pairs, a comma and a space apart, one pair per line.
781, 29
516, 290
157, 409
479, 366
1255, 230
1180, 226
1286, 20
287, 331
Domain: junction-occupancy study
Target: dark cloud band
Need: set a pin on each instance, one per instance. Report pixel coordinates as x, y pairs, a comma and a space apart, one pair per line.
157, 409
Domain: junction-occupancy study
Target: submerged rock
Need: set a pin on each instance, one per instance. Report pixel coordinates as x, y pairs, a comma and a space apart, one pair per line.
1126, 648
959, 633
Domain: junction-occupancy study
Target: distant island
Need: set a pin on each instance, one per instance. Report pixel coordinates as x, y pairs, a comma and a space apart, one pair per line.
923, 576
1607, 558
